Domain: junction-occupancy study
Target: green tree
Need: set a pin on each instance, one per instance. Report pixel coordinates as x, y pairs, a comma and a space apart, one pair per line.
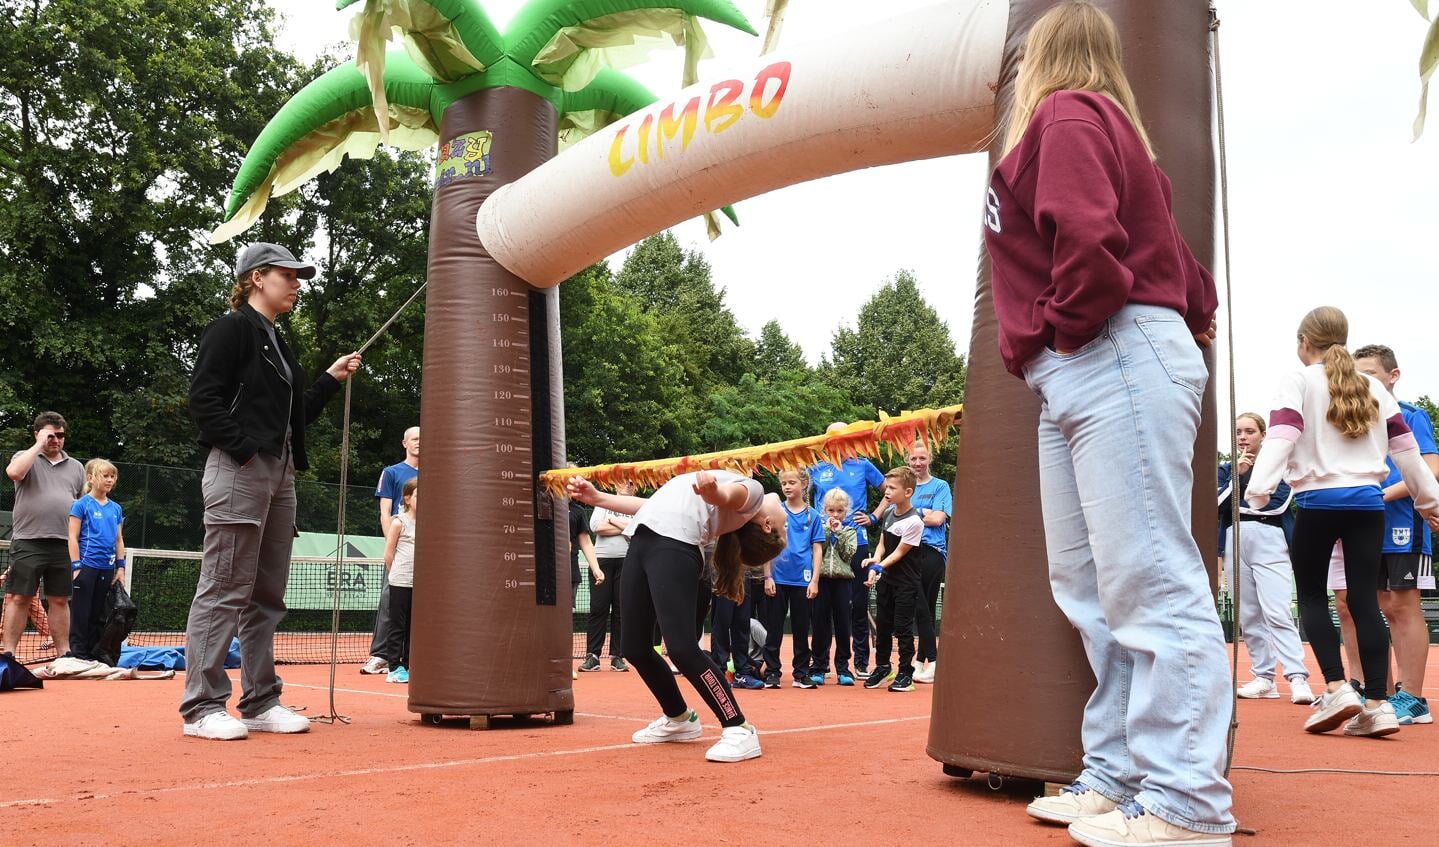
625, 398
788, 405
676, 286
899, 356
774, 352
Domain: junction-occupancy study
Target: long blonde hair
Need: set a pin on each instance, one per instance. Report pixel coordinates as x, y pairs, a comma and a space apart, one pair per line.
1352, 409
98, 467
1072, 47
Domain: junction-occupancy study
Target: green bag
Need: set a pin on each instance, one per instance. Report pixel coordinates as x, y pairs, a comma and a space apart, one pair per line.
838, 550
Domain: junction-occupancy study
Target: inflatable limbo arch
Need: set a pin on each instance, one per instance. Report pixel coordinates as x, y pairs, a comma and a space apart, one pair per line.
511, 219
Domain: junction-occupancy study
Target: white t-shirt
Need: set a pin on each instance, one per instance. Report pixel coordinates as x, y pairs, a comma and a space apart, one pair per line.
608, 546
402, 571
676, 511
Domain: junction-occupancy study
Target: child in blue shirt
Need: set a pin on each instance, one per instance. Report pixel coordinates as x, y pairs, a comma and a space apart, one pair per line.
97, 555
792, 581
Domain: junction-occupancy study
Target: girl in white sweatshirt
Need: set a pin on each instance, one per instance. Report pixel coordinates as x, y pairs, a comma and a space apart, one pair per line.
1329, 432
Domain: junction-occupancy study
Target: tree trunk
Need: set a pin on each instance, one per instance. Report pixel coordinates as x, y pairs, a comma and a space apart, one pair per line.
491, 632
1004, 626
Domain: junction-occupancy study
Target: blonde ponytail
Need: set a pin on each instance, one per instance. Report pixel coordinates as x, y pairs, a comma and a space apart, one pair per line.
1352, 409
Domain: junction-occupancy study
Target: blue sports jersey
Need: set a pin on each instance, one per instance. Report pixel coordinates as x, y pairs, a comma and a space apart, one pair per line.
855, 477
99, 527
392, 484
1362, 498
795, 566
935, 495
1404, 530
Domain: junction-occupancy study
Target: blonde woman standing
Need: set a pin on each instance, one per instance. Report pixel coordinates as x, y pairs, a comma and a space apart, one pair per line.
1329, 432
1102, 309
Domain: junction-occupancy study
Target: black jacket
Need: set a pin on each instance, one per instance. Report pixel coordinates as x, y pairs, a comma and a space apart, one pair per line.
239, 396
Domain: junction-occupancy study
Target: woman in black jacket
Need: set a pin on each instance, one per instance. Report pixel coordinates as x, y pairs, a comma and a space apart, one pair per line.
248, 398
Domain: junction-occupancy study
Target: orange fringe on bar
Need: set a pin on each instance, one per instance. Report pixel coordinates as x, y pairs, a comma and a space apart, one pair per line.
859, 439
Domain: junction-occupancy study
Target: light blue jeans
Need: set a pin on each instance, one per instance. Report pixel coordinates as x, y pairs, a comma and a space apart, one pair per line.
1116, 439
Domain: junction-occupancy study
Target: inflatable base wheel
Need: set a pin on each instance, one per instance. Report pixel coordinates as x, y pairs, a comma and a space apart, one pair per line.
564, 718
958, 772
479, 722
432, 720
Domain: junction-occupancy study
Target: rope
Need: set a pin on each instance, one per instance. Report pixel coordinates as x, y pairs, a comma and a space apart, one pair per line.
334, 716
1234, 520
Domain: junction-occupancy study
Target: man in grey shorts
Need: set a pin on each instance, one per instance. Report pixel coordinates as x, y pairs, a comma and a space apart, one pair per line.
46, 481
249, 399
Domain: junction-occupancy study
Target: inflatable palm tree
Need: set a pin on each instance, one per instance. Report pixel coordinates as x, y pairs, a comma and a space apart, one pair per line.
492, 586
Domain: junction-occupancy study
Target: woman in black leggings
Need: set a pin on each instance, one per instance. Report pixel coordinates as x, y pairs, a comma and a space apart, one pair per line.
1328, 435
661, 577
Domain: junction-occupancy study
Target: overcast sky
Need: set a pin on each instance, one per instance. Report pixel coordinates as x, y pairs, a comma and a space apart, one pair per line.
1330, 201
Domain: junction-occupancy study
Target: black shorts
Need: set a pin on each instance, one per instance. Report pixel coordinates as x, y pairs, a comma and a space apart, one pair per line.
1405, 571
39, 559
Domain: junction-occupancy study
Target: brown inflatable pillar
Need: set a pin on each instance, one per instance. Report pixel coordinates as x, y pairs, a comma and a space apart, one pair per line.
1003, 639
492, 588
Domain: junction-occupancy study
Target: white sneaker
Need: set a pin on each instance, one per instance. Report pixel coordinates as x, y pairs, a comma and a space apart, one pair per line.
1334, 708
1073, 802
217, 726
736, 744
926, 673
1131, 825
1374, 723
1299, 690
277, 719
1258, 688
376, 665
663, 729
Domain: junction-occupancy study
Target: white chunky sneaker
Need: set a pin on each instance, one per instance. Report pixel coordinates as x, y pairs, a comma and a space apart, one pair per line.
1334, 708
926, 673
1299, 691
1073, 802
736, 744
1258, 688
277, 718
664, 729
375, 665
1131, 825
217, 726
1374, 723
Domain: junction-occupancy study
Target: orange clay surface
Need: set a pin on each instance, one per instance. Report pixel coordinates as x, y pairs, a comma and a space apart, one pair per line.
104, 762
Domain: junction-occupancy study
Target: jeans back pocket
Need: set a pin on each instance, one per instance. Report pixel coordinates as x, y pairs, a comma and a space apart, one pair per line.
1177, 351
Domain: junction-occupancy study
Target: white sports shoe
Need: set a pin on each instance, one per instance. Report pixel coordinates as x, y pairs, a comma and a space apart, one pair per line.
1258, 688
926, 673
277, 719
1073, 802
376, 665
664, 729
736, 744
1299, 691
217, 726
1373, 723
1334, 708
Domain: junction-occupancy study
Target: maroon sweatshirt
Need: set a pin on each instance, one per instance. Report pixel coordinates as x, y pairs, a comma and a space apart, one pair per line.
1078, 225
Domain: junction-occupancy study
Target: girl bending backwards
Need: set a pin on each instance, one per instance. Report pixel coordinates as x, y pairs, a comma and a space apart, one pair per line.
660, 579
1329, 432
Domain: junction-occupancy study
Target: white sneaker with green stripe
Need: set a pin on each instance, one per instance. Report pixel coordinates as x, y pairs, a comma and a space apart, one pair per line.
661, 729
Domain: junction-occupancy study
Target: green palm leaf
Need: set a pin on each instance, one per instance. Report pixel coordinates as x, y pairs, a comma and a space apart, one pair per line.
566, 42
327, 120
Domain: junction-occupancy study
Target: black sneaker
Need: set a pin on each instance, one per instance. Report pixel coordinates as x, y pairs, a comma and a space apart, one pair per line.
903, 682
591, 663
771, 680
803, 680
877, 677
618, 664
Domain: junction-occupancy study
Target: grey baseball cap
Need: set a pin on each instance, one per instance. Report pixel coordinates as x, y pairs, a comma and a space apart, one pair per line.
263, 253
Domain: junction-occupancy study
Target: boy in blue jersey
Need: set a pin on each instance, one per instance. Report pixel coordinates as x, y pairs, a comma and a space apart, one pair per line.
392, 482
854, 477
97, 555
893, 566
934, 500
792, 581
1407, 564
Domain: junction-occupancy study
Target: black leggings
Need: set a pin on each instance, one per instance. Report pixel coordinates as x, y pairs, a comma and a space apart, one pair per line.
931, 576
605, 610
87, 604
1315, 531
658, 585
397, 640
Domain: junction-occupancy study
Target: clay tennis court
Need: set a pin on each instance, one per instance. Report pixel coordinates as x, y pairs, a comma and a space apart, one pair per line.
89, 762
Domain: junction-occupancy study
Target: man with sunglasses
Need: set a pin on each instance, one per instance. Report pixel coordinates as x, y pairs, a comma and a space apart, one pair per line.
47, 481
